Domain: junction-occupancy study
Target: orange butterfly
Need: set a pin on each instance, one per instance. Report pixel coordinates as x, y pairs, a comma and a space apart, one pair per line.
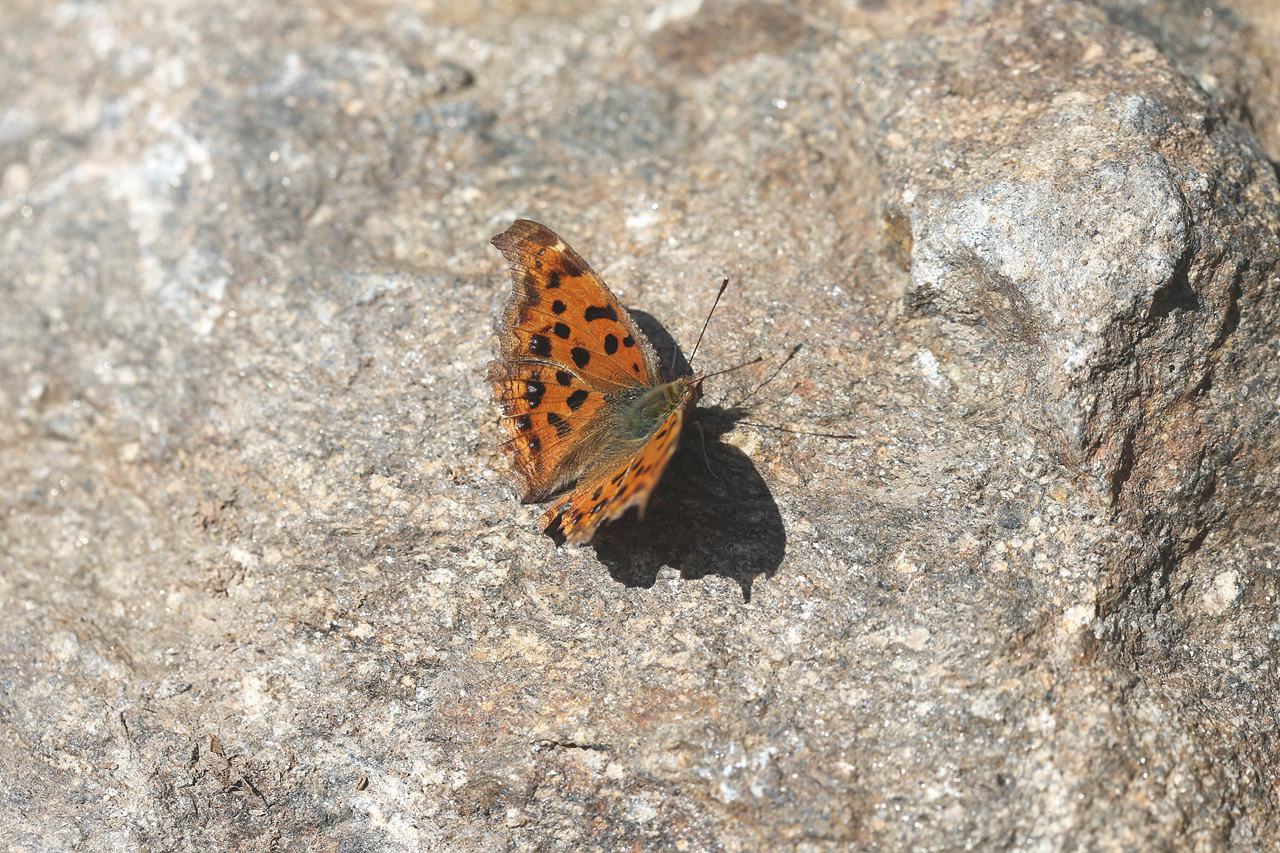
581, 390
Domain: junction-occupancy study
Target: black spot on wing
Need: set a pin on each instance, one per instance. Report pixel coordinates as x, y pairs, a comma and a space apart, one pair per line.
531, 291
562, 426
558, 307
594, 312
580, 356
610, 344
533, 391
562, 331
576, 399
540, 345
553, 280
564, 377
524, 423
628, 341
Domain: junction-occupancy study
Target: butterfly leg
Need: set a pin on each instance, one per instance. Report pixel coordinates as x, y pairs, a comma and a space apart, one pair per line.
706, 460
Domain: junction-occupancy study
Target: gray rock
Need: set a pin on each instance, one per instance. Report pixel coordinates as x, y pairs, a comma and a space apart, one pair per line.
982, 556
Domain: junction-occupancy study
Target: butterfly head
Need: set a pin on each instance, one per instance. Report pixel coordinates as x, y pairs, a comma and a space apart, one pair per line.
690, 391
642, 416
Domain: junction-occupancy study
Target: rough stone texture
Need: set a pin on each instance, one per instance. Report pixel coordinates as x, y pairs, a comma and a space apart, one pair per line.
1120, 235
988, 561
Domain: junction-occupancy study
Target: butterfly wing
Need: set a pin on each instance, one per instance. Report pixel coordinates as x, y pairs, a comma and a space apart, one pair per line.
553, 419
567, 348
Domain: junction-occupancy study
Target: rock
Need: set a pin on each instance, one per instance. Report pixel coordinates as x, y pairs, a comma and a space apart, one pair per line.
982, 555
1085, 224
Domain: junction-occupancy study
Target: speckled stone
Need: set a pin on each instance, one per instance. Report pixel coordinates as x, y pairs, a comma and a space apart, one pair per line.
981, 556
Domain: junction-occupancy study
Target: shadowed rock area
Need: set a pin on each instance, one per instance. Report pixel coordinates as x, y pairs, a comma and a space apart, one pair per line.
981, 556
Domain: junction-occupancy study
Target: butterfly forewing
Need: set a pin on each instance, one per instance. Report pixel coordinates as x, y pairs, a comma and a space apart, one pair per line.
560, 311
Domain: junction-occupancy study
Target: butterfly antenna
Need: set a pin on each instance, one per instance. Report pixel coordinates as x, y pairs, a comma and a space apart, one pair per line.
794, 351
723, 285
755, 360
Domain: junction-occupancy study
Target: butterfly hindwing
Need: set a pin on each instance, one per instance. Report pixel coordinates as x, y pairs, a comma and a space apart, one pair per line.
606, 493
549, 414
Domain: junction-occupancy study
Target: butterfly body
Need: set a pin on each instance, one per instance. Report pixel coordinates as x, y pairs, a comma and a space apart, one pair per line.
639, 418
582, 394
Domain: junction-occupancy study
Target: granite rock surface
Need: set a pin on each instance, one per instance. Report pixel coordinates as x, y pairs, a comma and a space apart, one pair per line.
981, 556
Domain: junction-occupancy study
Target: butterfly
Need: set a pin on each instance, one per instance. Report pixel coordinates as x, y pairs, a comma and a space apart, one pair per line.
582, 393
